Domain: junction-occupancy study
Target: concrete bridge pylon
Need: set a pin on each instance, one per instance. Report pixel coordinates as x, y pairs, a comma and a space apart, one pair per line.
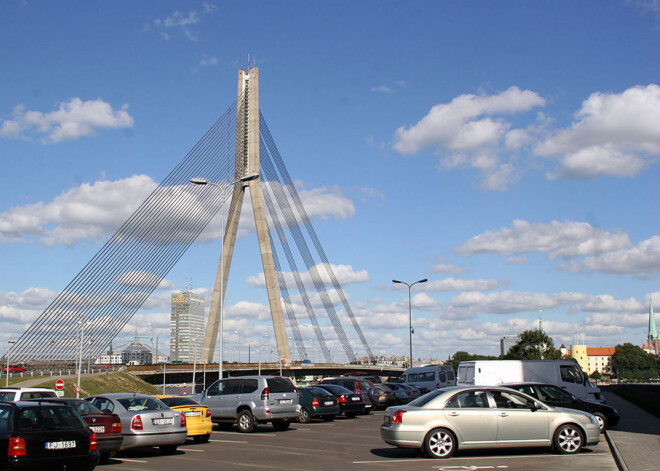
245, 176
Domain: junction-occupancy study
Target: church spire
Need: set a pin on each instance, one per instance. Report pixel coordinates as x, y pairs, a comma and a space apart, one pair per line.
653, 331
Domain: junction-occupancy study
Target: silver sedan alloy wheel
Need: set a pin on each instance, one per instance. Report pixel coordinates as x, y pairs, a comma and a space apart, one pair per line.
440, 443
569, 439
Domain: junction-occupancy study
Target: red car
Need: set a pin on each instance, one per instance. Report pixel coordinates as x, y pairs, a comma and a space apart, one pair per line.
107, 427
14, 369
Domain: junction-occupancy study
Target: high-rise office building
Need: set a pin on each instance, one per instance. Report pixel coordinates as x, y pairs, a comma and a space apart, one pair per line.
186, 326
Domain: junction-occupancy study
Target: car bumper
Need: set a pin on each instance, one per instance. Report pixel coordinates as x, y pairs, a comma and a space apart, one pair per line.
322, 411
153, 439
199, 427
109, 444
400, 437
74, 462
593, 434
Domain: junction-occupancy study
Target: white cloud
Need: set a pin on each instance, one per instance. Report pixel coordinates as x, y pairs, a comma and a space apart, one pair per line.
447, 268
642, 260
509, 302
72, 120
382, 89
183, 21
456, 126
566, 239
613, 135
344, 274
470, 132
207, 61
95, 211
451, 284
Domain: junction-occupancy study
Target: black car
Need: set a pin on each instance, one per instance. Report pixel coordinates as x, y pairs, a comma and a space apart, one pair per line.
364, 388
557, 397
350, 403
45, 435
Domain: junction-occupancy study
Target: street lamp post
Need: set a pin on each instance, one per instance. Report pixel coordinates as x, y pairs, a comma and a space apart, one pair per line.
410, 331
82, 334
10, 342
203, 181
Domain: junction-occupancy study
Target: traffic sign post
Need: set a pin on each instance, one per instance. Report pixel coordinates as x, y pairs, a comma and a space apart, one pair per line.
59, 385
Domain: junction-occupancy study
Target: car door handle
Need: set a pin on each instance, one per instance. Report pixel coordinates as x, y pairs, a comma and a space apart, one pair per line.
454, 414
504, 414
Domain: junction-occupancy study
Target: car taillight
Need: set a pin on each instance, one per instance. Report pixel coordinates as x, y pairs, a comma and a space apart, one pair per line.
136, 423
315, 402
16, 447
265, 395
116, 427
341, 398
92, 442
357, 387
397, 417
208, 412
183, 419
298, 393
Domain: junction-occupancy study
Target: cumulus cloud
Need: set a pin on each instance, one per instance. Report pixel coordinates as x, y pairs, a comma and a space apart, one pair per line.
93, 211
451, 284
72, 120
642, 261
183, 21
568, 239
509, 302
471, 132
345, 274
614, 134
447, 268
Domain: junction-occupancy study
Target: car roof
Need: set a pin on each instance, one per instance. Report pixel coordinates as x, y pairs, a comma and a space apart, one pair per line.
14, 389
120, 395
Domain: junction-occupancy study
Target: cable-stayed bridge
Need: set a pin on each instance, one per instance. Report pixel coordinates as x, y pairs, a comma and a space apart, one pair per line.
237, 152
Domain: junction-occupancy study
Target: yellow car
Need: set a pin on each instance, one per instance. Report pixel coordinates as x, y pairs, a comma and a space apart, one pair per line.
198, 416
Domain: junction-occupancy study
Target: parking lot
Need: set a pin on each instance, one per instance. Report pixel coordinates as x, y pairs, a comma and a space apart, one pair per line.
342, 444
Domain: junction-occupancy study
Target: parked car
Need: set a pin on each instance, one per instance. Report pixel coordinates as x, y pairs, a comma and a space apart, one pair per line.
386, 396
44, 435
14, 369
557, 397
402, 394
317, 402
370, 395
350, 403
463, 417
198, 416
107, 427
19, 394
430, 377
145, 420
251, 400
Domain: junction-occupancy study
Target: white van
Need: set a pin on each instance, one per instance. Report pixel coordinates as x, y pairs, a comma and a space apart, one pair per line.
566, 374
430, 377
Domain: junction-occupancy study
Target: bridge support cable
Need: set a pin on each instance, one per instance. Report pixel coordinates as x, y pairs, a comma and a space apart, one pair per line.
116, 282
294, 227
288, 183
268, 171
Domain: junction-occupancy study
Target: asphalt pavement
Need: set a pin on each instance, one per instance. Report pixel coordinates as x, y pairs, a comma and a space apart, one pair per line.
635, 442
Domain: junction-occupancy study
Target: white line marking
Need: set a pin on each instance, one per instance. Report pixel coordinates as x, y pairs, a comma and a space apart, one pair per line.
395, 460
191, 449
128, 459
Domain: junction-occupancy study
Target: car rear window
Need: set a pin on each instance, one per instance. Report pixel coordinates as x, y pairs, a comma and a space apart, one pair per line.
4, 419
142, 403
280, 385
7, 396
318, 391
49, 418
84, 407
37, 394
179, 401
426, 398
365, 385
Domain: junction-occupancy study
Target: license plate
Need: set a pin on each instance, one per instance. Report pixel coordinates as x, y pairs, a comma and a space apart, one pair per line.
355, 399
192, 414
328, 403
286, 401
60, 445
163, 421
97, 428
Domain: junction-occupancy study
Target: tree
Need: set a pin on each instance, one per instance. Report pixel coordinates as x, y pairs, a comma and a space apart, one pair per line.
633, 362
533, 345
596, 376
465, 356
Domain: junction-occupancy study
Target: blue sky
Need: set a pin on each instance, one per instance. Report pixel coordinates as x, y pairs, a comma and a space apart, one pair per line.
506, 151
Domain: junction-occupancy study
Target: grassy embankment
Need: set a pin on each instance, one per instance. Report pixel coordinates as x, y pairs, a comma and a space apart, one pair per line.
97, 384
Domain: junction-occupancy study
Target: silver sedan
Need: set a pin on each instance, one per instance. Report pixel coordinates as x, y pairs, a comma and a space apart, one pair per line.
449, 419
145, 420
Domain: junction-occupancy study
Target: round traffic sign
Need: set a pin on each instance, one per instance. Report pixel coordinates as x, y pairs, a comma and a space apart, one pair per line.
59, 385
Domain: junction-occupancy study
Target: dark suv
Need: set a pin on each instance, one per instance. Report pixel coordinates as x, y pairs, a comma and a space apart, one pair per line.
251, 400
362, 387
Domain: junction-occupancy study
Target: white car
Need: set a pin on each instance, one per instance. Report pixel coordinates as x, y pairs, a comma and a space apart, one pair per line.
19, 394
